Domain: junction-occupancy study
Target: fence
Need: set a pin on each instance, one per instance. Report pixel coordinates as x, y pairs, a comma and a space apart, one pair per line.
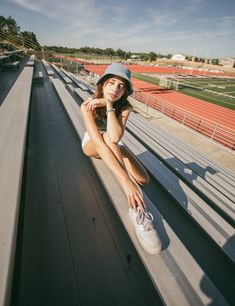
212, 130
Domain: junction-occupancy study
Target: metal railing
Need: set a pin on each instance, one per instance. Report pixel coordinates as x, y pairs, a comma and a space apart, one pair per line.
216, 132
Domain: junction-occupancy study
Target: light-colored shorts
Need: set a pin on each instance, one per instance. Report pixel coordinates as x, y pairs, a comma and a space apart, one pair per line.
86, 138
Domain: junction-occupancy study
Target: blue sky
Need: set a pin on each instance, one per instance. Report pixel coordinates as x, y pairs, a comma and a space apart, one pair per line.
200, 27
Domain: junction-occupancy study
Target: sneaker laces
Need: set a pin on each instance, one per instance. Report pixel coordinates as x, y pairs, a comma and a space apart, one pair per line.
145, 218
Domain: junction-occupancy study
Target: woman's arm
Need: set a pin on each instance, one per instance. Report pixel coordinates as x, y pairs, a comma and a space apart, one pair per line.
116, 125
92, 104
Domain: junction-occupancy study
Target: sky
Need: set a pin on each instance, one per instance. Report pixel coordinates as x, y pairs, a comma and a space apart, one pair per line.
204, 28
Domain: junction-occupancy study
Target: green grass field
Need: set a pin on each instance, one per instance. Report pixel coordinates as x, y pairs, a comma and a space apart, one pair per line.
220, 91
146, 78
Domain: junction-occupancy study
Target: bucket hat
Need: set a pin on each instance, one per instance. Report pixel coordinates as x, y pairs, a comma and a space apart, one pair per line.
118, 70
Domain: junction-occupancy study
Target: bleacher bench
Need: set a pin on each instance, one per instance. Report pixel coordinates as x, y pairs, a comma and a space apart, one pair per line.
38, 78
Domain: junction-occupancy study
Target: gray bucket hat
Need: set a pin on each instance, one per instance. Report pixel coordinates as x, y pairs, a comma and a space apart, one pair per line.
119, 70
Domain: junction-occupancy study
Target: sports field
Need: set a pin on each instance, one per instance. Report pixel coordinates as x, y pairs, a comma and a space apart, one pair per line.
220, 91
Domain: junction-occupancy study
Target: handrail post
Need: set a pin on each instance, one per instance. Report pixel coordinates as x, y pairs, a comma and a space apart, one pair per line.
213, 133
185, 114
146, 102
163, 104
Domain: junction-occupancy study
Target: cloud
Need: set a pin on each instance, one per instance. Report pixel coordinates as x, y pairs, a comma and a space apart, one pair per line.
161, 26
27, 4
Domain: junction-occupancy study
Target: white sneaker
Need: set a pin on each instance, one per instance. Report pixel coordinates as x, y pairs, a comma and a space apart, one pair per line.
145, 231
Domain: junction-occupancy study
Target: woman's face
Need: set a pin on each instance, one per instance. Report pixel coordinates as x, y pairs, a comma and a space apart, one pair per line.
113, 88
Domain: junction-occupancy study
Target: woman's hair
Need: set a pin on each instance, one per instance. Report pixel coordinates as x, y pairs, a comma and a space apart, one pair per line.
120, 104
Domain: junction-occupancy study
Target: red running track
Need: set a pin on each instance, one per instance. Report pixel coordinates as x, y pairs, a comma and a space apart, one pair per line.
218, 114
99, 69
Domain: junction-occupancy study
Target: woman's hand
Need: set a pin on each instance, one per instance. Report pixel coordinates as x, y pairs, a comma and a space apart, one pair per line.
92, 104
134, 196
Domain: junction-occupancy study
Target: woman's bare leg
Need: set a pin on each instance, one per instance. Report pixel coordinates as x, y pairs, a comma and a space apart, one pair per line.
124, 156
134, 168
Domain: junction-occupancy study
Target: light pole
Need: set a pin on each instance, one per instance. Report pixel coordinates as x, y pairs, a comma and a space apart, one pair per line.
193, 58
206, 59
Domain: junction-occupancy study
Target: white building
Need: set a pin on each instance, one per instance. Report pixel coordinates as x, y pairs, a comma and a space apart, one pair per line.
178, 57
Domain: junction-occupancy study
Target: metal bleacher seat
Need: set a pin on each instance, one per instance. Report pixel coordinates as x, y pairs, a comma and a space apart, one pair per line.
66, 79
214, 180
49, 71
12, 65
82, 85
38, 78
207, 218
13, 129
30, 62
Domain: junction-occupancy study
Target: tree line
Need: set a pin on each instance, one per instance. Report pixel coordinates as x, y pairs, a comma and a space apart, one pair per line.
110, 52
92, 51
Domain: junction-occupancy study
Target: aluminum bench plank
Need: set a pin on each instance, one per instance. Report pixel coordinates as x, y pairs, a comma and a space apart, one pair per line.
49, 71
213, 224
218, 198
186, 149
13, 130
75, 80
62, 75
83, 94
220, 178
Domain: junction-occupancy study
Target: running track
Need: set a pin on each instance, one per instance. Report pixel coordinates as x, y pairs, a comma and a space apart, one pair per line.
215, 113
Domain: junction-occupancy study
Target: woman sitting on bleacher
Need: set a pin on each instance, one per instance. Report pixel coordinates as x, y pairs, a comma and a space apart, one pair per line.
105, 116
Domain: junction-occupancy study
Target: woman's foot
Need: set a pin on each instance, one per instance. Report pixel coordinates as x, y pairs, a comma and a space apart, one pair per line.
145, 231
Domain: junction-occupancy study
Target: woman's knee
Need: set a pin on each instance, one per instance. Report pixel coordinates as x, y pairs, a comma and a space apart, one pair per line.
144, 179
85, 151
89, 149
135, 167
108, 141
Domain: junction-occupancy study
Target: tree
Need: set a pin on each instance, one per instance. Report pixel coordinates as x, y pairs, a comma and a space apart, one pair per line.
12, 25
30, 39
109, 51
215, 61
120, 53
152, 56
10, 32
9, 29
98, 51
3, 27
144, 56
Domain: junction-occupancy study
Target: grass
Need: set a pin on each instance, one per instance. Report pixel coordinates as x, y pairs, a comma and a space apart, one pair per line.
219, 88
210, 97
145, 78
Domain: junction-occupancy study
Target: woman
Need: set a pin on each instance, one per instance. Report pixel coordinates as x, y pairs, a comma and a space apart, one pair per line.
105, 116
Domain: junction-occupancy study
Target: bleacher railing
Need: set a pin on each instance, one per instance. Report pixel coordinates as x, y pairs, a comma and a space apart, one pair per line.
214, 131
